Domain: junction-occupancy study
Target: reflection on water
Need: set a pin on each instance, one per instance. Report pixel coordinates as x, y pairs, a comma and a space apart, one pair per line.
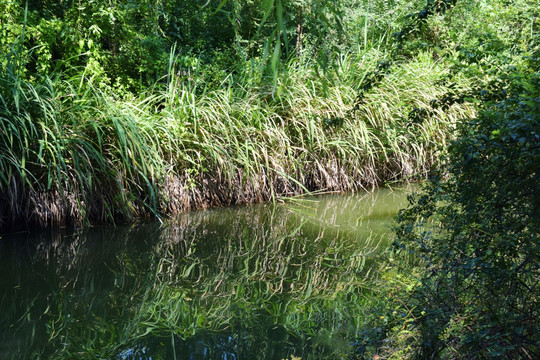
257, 282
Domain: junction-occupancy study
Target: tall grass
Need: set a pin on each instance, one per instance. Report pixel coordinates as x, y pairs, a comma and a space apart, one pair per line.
73, 152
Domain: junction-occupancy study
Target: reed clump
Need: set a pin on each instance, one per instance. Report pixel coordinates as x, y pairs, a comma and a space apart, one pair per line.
74, 152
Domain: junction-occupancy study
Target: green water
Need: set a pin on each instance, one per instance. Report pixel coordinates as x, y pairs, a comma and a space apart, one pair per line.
254, 282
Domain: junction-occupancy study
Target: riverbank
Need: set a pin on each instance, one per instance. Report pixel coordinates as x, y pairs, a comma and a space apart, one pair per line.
74, 153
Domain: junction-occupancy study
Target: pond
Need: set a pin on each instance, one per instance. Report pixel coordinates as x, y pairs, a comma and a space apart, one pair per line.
271, 281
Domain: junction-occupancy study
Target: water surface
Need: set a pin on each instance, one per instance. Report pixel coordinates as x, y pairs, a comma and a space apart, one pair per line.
251, 282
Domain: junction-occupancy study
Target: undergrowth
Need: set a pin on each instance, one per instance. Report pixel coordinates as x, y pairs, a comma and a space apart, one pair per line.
74, 152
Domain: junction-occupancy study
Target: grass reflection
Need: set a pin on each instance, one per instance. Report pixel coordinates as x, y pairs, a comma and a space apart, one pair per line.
265, 282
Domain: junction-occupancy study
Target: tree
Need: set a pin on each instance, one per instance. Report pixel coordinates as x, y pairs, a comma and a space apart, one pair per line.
480, 295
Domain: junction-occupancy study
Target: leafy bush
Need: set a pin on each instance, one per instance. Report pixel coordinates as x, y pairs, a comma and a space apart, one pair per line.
479, 295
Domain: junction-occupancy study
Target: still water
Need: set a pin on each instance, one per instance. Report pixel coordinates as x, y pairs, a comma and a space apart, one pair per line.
251, 282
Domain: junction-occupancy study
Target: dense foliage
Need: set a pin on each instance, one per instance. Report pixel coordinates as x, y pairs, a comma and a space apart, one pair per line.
127, 43
479, 296
468, 287
115, 110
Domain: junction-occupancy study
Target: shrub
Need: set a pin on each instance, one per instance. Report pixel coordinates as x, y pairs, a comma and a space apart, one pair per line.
479, 294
